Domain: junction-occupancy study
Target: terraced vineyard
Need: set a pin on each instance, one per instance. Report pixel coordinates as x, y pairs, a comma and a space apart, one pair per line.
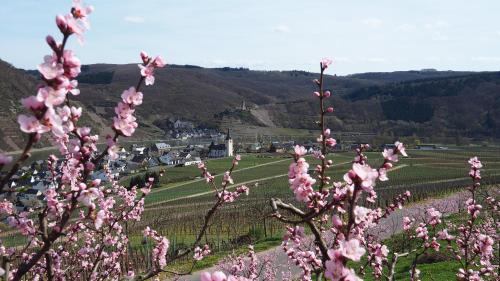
176, 208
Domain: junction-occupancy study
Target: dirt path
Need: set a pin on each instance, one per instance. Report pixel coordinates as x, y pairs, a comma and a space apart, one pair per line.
386, 228
148, 207
202, 179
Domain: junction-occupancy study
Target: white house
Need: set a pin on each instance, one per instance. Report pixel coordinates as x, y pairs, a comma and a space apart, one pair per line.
193, 161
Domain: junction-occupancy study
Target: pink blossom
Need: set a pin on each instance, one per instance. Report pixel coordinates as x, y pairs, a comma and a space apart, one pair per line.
123, 110
99, 220
5, 159
331, 142
158, 62
325, 62
300, 150
29, 124
50, 96
475, 163
389, 155
361, 214
334, 267
485, 246
200, 253
401, 149
145, 58
351, 249
382, 174
6, 207
216, 276
32, 103
443, 235
50, 68
71, 64
362, 174
81, 12
434, 244
434, 216
407, 223
227, 178
336, 221
422, 231
148, 73
131, 96
125, 126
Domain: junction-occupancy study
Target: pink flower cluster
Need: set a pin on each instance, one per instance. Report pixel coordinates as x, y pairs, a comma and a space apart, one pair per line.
161, 248
200, 253
148, 67
305, 259
125, 123
230, 196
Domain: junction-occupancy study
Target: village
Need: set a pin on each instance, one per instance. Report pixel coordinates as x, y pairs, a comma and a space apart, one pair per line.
138, 158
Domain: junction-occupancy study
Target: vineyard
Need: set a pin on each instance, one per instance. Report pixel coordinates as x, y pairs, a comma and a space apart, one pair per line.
176, 207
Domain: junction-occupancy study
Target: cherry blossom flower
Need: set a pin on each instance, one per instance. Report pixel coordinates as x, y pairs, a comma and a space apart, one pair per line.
325, 62
434, 216
5, 159
50, 68
29, 124
351, 249
131, 96
216, 276
299, 150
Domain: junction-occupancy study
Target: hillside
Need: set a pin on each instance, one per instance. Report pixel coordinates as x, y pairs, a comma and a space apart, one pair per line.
441, 104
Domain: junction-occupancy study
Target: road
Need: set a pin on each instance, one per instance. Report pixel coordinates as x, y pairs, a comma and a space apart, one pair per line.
386, 228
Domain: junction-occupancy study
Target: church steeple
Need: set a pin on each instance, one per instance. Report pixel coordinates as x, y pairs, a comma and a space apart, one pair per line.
229, 144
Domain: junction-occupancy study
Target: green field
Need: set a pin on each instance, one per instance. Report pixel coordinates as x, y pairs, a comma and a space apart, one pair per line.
176, 207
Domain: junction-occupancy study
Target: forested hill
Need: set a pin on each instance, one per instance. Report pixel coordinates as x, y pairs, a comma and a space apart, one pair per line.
421, 103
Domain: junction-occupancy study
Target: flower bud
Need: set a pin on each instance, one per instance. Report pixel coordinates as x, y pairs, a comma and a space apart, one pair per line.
144, 57
316, 94
62, 24
327, 94
330, 109
351, 174
52, 43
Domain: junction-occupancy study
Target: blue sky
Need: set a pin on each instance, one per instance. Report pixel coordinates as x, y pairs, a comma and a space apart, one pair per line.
361, 36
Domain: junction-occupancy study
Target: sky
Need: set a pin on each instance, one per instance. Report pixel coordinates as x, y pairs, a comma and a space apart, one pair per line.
359, 35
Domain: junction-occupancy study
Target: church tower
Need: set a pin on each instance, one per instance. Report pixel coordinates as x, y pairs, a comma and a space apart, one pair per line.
229, 144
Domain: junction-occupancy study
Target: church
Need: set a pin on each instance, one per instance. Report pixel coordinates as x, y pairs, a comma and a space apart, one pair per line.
221, 150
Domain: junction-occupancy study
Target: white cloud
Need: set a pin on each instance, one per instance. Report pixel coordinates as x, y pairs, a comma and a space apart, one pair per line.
406, 27
486, 59
439, 36
372, 22
281, 28
218, 62
341, 59
134, 19
436, 30
376, 60
433, 59
440, 24
498, 33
